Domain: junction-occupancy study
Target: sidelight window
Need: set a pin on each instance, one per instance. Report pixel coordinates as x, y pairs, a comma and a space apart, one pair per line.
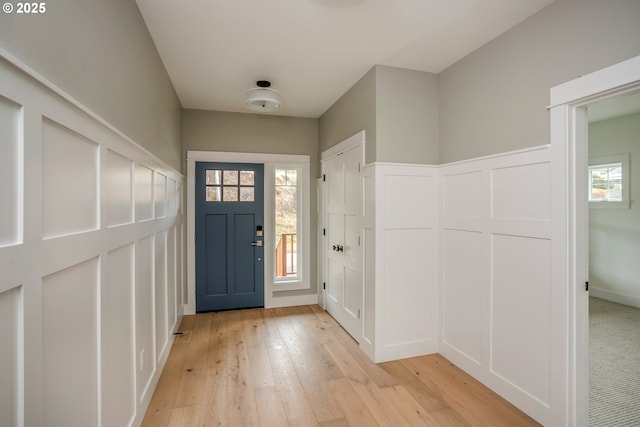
287, 220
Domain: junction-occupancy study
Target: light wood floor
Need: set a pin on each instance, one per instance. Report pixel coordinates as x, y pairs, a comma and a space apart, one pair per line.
297, 367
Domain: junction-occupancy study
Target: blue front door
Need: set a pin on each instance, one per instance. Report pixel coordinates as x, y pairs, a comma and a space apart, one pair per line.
229, 252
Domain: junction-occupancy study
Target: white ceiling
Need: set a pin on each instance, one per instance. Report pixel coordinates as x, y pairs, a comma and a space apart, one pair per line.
313, 50
617, 106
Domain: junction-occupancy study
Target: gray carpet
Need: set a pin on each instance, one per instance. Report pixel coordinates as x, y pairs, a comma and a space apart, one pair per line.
614, 364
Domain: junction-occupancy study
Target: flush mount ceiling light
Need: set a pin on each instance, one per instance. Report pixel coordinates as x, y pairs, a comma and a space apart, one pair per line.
263, 98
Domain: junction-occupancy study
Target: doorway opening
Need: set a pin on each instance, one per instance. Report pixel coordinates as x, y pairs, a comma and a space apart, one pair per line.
569, 137
613, 188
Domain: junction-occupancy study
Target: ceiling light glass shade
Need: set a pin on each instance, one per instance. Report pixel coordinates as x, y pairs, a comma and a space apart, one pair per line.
263, 99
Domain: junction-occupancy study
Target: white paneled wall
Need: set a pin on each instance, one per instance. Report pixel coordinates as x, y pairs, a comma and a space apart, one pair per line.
496, 274
401, 260
91, 262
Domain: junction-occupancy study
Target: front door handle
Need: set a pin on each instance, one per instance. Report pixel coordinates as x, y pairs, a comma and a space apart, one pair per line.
258, 243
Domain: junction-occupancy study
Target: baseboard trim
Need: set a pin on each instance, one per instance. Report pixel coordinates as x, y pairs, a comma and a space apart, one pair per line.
292, 301
630, 300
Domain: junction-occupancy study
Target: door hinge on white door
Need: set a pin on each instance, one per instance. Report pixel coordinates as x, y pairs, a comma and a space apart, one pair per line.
358, 313
324, 177
324, 285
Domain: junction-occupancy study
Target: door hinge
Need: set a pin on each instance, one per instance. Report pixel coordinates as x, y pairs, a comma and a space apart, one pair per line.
586, 286
324, 231
324, 177
324, 285
358, 240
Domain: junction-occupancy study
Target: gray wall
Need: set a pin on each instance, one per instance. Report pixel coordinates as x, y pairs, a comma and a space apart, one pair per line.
353, 112
101, 53
494, 100
257, 133
614, 234
406, 116
397, 108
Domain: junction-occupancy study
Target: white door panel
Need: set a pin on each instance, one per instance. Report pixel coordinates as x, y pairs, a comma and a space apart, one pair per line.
343, 187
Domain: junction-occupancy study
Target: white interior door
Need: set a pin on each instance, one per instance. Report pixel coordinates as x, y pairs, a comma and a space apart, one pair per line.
343, 244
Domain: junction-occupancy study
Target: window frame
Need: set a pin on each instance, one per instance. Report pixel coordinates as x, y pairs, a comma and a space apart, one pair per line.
603, 161
302, 280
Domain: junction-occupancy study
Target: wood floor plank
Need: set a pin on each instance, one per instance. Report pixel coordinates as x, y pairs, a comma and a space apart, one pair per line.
322, 401
476, 403
429, 399
270, 408
295, 366
296, 403
260, 365
411, 411
355, 411
373, 371
185, 416
339, 422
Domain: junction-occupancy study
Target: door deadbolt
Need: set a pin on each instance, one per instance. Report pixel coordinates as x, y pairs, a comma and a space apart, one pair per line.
258, 243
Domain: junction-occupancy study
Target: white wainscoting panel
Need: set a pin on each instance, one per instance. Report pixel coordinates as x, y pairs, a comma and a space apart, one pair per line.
401, 242
69, 181
369, 261
144, 193
70, 345
160, 292
495, 272
145, 317
462, 195
407, 251
119, 183
521, 192
160, 194
117, 323
10, 171
463, 292
171, 279
82, 283
520, 313
11, 374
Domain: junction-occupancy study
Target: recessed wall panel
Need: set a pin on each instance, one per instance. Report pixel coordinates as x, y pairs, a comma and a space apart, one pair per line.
160, 194
409, 263
171, 276
521, 192
160, 293
10, 371
172, 207
144, 192
369, 196
463, 292
462, 195
118, 178
408, 195
520, 301
11, 170
69, 359
145, 359
118, 368
369, 284
69, 181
